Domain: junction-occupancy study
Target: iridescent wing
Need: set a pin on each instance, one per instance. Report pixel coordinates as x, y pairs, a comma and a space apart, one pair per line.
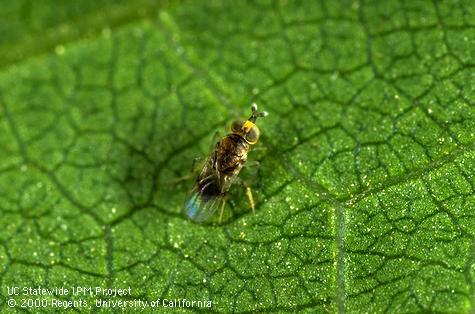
204, 201
206, 195
200, 207
209, 191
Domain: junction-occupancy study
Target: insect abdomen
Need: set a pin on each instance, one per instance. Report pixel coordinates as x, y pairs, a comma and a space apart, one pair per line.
204, 201
209, 188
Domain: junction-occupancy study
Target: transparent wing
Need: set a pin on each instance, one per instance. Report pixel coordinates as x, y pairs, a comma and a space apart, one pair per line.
199, 207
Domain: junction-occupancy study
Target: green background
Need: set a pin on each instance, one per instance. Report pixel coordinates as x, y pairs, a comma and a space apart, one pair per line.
365, 193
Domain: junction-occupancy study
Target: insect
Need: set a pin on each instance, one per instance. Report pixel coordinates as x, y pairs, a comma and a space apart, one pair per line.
222, 167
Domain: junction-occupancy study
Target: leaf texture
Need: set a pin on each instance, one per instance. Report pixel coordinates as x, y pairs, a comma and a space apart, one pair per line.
365, 189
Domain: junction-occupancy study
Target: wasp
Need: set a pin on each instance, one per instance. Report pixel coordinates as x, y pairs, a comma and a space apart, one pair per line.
222, 167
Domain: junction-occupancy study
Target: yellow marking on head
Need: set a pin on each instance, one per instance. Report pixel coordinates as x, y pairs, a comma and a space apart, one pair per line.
247, 126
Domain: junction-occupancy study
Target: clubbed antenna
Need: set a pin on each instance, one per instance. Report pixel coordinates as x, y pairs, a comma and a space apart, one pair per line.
256, 114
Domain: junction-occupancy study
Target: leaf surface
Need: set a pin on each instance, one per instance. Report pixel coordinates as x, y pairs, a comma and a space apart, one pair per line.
365, 189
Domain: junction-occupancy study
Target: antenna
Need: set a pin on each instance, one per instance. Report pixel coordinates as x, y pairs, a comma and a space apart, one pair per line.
256, 114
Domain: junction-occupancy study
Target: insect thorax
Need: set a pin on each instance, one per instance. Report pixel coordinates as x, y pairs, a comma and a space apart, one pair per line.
231, 154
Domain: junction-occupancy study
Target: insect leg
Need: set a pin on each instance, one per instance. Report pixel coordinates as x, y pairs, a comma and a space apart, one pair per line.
248, 193
192, 173
251, 199
259, 148
223, 202
253, 163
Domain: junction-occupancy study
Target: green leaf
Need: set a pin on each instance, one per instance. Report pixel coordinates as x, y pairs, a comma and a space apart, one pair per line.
365, 190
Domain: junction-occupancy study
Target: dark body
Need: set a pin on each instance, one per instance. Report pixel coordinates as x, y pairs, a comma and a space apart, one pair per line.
223, 166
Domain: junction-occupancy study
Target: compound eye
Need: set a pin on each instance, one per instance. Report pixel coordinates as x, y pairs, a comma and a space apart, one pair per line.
253, 135
236, 126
